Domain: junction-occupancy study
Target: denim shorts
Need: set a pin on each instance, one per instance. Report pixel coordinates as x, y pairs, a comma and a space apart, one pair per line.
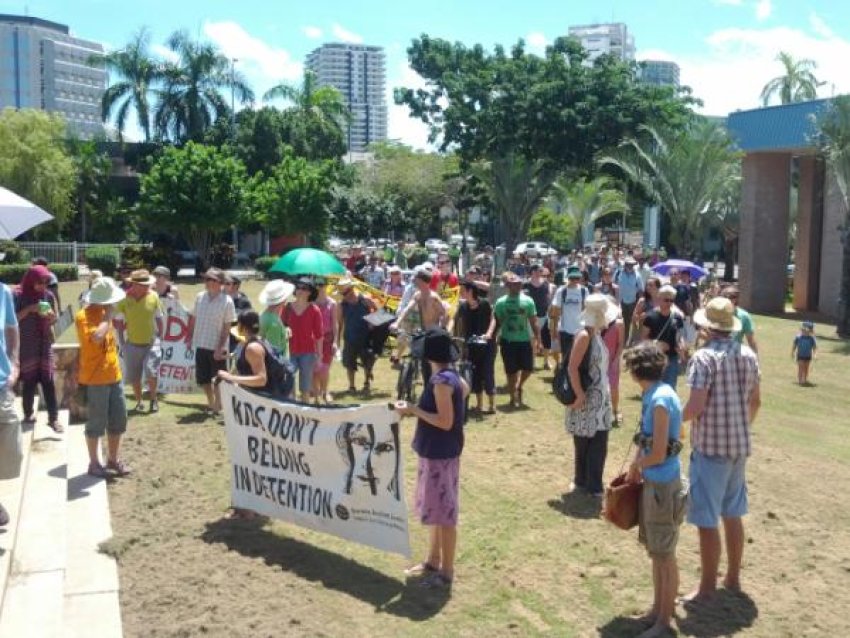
107, 411
305, 364
11, 452
718, 489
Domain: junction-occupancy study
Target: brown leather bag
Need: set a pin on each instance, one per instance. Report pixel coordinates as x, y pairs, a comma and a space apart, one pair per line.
622, 500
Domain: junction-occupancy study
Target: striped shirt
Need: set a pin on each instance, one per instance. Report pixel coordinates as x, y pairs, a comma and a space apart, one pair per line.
212, 315
730, 373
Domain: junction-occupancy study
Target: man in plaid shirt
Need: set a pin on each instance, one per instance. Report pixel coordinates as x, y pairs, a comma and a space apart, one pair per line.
724, 399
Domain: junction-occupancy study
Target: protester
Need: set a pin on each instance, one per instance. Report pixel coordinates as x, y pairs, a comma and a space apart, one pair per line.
100, 374
589, 420
473, 318
444, 278
394, 286
607, 286
648, 301
411, 322
438, 441
330, 340
663, 498
665, 326
804, 350
374, 273
124, 270
513, 313
748, 328
614, 337
36, 311
540, 292
11, 451
232, 285
724, 399
143, 322
630, 288
431, 308
163, 285
273, 296
566, 308
208, 332
353, 308
53, 283
304, 321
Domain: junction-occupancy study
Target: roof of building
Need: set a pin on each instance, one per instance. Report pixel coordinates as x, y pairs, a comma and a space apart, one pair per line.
787, 127
34, 22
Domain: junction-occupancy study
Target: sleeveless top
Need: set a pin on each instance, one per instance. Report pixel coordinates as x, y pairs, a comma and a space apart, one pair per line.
327, 310
432, 442
243, 366
354, 327
596, 414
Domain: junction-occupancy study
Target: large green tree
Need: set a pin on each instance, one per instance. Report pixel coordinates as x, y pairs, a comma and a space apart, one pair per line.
515, 187
834, 128
796, 84
312, 100
35, 163
134, 74
554, 108
686, 173
92, 189
195, 191
586, 202
191, 98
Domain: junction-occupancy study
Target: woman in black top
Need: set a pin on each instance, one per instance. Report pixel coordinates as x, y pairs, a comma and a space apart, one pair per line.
251, 360
473, 320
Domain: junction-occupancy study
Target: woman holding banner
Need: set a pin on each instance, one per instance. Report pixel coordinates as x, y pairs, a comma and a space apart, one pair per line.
438, 441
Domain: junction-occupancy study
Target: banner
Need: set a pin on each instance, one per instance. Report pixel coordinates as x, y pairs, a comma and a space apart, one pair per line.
334, 470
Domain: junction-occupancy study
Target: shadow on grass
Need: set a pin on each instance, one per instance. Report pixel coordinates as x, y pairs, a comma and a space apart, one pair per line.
385, 594
837, 345
622, 627
725, 614
576, 504
194, 418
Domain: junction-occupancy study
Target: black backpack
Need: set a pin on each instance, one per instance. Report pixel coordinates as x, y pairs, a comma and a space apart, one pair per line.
280, 372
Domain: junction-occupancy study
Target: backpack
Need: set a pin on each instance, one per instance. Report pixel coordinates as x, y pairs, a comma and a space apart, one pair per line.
561, 386
280, 371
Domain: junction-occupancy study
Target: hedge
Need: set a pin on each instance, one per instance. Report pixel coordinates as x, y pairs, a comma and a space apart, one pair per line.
13, 252
14, 273
102, 258
263, 264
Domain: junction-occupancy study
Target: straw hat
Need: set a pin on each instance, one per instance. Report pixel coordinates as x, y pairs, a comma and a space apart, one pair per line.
142, 276
718, 314
344, 283
275, 291
104, 292
599, 311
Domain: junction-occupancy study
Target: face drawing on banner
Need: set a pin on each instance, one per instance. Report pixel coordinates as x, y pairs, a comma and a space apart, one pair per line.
373, 462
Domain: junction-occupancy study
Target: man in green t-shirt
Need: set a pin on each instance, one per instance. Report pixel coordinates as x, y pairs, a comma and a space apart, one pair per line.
515, 317
748, 329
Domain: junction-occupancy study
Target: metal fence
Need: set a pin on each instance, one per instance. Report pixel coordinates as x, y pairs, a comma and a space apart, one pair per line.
69, 252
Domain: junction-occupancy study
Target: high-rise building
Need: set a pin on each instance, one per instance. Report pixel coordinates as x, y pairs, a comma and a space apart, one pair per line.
612, 38
358, 72
42, 66
659, 72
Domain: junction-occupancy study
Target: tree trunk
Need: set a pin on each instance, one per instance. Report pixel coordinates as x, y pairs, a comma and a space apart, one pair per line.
729, 254
843, 325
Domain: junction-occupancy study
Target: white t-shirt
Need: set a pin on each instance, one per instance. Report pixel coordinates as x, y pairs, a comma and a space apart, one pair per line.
570, 307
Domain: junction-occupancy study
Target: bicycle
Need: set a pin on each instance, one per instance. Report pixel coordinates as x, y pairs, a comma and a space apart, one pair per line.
410, 371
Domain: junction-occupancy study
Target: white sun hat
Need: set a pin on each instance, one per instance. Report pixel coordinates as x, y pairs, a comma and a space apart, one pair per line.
599, 311
276, 291
104, 292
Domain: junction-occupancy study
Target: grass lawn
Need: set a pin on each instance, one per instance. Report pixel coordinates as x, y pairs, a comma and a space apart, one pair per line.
530, 561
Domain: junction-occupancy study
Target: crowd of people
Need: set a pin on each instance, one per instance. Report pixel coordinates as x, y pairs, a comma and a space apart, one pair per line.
589, 314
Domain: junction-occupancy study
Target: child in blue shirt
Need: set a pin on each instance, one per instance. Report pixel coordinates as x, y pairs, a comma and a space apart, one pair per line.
804, 349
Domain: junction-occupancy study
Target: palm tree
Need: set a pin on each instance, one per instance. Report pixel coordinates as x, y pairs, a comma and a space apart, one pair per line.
587, 202
191, 99
798, 83
137, 72
687, 174
515, 186
834, 128
322, 102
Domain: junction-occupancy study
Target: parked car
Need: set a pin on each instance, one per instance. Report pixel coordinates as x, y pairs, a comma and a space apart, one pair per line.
535, 249
436, 245
457, 240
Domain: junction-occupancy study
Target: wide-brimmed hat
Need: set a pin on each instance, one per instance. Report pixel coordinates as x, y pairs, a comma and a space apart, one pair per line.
275, 292
599, 311
718, 314
104, 292
344, 283
214, 273
437, 346
142, 276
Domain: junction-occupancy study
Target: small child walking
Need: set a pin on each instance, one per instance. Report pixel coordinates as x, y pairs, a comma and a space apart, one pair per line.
804, 349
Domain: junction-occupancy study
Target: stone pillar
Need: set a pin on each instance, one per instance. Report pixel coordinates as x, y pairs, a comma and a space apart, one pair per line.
763, 245
807, 246
831, 250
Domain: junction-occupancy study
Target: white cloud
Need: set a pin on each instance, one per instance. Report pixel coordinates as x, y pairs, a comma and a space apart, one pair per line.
312, 32
819, 26
400, 125
262, 64
536, 42
763, 9
730, 73
343, 34
162, 51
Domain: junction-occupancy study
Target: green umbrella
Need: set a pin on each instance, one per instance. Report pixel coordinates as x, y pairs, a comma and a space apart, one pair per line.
308, 261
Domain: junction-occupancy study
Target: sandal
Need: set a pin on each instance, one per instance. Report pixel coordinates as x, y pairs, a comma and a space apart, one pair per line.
56, 426
420, 569
119, 467
437, 580
97, 470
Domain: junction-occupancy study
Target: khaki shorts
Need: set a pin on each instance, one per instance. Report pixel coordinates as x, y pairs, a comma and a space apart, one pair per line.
662, 509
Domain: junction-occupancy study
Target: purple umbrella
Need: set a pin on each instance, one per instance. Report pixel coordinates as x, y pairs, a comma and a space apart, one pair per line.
681, 265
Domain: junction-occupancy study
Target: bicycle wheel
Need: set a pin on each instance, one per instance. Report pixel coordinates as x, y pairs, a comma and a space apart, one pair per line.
401, 384
412, 375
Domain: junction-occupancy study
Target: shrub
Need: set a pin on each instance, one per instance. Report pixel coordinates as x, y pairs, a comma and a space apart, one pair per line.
14, 253
103, 258
13, 273
263, 264
150, 257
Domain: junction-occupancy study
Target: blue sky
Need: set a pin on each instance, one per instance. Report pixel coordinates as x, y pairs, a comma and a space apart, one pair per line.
726, 48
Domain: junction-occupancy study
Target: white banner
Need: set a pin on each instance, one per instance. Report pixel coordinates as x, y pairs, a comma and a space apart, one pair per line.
334, 470
177, 369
